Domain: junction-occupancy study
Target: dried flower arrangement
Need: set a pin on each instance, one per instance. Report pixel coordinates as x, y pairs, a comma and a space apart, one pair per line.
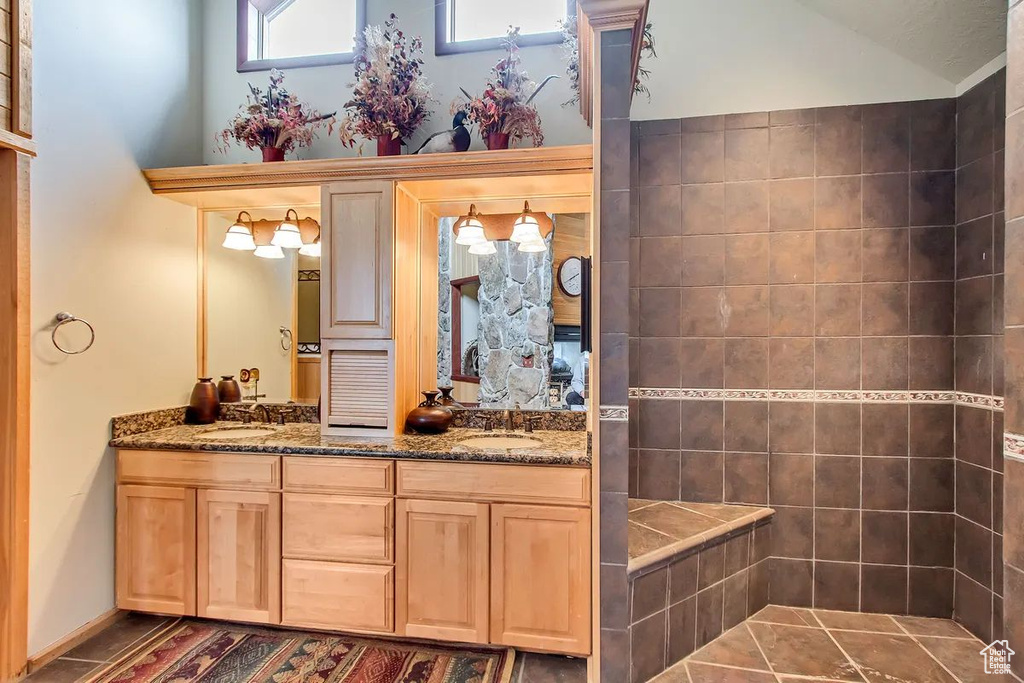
571, 50
390, 96
504, 113
275, 121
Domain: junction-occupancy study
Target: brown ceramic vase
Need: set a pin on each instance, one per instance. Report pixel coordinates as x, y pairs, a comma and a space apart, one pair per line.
446, 398
430, 417
204, 404
228, 389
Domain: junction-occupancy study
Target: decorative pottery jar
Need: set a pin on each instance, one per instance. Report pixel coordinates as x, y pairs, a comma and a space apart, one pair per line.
204, 404
228, 389
430, 417
446, 397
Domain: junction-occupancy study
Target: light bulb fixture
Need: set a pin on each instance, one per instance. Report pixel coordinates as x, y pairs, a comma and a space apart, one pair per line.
471, 230
533, 246
271, 251
312, 249
287, 234
239, 235
484, 248
526, 228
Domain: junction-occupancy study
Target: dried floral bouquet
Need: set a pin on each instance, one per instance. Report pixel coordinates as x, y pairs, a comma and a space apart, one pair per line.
275, 121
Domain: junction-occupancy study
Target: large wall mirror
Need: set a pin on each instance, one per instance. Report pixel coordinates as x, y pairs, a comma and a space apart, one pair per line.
262, 307
508, 319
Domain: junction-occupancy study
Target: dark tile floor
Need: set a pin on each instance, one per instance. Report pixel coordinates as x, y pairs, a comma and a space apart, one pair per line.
784, 645
122, 638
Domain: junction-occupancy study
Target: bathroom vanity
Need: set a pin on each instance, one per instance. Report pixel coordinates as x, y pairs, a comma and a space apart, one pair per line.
350, 524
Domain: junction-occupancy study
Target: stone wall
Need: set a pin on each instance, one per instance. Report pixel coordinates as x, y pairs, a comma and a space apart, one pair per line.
516, 336
444, 303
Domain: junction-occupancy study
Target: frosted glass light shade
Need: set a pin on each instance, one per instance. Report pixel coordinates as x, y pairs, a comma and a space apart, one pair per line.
269, 251
483, 249
533, 246
312, 250
239, 237
287, 235
525, 229
471, 232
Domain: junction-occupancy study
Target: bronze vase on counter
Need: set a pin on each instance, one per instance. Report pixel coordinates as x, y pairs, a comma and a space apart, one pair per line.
204, 404
228, 389
446, 397
430, 417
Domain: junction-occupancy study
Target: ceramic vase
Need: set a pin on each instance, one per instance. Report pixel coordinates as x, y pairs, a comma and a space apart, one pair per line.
430, 417
228, 389
446, 397
497, 141
388, 147
204, 404
273, 154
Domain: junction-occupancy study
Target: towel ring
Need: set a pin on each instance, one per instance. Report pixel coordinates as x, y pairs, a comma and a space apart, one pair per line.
64, 318
286, 339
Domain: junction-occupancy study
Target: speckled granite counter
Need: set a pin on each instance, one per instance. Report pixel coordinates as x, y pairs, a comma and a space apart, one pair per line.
558, 447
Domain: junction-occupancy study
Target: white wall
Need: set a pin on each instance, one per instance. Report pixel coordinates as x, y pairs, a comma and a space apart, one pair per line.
116, 89
327, 88
734, 56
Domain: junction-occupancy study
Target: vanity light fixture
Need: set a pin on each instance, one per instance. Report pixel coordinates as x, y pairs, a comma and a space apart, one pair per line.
239, 235
526, 228
269, 251
471, 231
533, 246
312, 249
483, 248
287, 234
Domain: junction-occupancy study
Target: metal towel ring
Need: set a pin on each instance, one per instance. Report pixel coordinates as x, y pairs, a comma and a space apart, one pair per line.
286, 338
64, 318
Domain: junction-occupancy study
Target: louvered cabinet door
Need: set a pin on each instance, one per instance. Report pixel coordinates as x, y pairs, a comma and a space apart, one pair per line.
357, 237
359, 381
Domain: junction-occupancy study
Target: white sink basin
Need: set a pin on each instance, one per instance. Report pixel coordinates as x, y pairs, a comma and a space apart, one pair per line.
500, 441
220, 433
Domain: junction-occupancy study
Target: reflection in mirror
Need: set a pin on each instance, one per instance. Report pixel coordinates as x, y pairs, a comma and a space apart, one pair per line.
264, 312
508, 327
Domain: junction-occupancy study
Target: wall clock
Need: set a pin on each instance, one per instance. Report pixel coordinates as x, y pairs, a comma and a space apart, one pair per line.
570, 276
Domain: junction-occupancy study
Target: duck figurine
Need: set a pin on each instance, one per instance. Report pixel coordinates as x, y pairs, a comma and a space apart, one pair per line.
455, 140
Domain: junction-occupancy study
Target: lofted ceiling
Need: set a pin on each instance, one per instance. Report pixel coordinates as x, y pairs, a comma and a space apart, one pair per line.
950, 38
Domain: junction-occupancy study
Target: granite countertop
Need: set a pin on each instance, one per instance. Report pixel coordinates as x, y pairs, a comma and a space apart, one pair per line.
558, 447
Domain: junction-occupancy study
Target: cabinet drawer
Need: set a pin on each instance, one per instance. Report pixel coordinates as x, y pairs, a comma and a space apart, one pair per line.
340, 528
338, 597
202, 470
324, 475
494, 483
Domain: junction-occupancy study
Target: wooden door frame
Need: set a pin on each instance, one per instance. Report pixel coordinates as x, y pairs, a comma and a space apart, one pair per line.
14, 411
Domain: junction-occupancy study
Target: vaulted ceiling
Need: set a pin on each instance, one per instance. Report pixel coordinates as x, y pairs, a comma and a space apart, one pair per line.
950, 38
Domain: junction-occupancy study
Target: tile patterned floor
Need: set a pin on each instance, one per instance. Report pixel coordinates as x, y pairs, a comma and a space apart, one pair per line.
120, 639
788, 645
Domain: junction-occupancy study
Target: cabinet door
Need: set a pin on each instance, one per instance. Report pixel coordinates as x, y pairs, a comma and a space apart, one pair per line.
540, 578
356, 237
239, 556
441, 567
156, 549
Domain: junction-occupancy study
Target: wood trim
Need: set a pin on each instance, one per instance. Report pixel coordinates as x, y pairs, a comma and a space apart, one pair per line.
14, 412
21, 68
202, 278
607, 15
17, 143
501, 163
75, 638
244, 64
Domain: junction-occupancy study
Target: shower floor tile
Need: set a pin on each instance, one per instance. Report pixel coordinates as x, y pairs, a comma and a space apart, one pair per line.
788, 645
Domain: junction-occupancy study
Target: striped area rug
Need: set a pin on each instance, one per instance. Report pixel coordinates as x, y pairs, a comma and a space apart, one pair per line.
209, 652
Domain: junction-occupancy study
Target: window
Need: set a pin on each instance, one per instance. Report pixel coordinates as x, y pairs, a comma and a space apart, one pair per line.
278, 34
473, 25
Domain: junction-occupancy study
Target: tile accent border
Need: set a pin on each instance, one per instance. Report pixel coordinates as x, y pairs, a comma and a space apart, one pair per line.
614, 413
1013, 446
854, 396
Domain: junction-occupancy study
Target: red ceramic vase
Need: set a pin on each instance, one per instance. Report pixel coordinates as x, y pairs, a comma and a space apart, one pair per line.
273, 154
388, 147
497, 141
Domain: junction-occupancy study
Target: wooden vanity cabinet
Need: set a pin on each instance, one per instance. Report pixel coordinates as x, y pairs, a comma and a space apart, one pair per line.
156, 549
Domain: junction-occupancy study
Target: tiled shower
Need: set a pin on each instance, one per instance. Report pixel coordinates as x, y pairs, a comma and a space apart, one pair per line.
816, 325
